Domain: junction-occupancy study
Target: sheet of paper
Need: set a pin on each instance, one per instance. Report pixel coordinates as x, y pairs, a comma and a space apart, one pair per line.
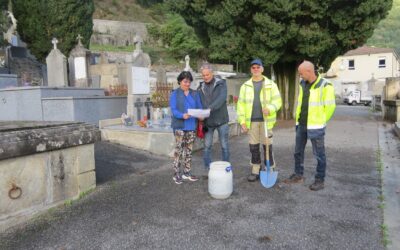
199, 113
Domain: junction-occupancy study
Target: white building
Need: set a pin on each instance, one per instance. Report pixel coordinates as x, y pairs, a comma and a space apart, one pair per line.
365, 69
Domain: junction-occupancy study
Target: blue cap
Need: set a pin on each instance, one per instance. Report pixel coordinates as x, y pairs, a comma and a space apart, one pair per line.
257, 61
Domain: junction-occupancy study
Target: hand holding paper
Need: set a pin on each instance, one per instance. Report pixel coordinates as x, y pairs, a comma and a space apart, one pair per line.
199, 113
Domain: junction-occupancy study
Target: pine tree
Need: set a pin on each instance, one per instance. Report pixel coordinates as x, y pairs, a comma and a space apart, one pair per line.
282, 32
41, 20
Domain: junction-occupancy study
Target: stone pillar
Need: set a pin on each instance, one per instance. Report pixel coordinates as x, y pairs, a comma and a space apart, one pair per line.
78, 65
392, 88
56, 67
391, 102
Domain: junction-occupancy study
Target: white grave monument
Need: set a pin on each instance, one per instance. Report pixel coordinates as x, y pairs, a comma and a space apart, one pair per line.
78, 65
138, 76
56, 67
187, 66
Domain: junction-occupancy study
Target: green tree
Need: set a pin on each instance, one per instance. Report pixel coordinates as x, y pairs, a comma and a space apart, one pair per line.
177, 36
41, 20
3, 21
387, 34
282, 32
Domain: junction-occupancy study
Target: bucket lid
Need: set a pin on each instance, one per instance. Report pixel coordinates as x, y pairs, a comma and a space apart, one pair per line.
221, 165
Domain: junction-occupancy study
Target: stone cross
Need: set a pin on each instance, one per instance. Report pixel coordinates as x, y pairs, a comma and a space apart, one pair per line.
138, 41
54, 42
79, 38
148, 104
138, 106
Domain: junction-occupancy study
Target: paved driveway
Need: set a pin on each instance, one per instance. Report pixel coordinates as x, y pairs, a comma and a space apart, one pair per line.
136, 205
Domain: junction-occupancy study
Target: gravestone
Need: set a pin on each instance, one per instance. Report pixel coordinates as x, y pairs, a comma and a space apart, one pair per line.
138, 77
138, 105
78, 65
148, 104
161, 73
18, 52
56, 67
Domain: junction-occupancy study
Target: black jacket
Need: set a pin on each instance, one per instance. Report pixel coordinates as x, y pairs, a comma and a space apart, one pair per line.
219, 110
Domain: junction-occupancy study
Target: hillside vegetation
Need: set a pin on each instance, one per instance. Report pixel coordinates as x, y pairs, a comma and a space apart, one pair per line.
129, 10
170, 38
387, 34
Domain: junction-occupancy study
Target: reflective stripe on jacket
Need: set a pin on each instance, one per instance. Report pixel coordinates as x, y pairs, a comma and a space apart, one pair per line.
321, 105
272, 101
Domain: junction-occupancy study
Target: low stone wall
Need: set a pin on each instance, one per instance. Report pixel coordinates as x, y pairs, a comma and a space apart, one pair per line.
42, 164
155, 141
392, 110
118, 33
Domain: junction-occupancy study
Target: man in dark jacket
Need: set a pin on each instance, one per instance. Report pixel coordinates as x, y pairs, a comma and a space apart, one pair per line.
213, 94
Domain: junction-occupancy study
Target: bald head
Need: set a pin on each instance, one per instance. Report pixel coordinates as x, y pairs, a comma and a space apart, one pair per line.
307, 71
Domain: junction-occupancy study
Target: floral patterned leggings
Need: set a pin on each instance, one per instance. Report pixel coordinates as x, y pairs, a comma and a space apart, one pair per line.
183, 150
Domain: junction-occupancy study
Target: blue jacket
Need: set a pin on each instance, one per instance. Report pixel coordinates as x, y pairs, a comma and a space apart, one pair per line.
180, 104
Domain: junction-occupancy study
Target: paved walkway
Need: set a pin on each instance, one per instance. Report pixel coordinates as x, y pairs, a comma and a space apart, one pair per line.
390, 158
137, 206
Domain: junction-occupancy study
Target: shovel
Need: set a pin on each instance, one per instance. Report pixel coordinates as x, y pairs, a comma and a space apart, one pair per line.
268, 176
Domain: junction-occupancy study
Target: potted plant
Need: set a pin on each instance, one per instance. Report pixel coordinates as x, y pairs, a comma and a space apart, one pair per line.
160, 105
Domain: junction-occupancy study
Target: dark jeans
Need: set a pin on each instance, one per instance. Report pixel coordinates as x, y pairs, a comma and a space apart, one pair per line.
318, 151
223, 134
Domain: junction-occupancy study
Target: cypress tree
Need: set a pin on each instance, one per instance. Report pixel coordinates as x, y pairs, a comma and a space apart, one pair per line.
282, 32
41, 20
3, 21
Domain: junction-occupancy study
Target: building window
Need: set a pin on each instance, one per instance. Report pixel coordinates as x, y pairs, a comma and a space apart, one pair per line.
351, 64
382, 63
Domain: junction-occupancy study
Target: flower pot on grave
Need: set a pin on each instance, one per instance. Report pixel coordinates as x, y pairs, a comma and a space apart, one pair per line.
157, 114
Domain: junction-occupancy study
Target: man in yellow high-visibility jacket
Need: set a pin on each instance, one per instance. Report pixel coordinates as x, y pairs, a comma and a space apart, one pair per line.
316, 105
258, 102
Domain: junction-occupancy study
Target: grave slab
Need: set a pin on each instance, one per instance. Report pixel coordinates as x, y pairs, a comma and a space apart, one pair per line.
43, 164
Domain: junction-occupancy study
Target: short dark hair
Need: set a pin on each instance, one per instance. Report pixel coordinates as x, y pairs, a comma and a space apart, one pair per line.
184, 75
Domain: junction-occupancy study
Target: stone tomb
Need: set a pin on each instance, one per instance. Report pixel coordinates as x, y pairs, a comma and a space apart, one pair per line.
159, 138
42, 164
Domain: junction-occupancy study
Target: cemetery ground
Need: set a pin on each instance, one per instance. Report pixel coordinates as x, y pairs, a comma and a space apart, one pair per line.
136, 205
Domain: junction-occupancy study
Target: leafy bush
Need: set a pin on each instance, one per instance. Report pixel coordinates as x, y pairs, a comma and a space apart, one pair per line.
177, 37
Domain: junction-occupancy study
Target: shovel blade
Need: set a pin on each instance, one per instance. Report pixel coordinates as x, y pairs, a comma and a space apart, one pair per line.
268, 178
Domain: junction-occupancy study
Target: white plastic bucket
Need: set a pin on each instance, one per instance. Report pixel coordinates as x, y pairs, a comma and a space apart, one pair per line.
220, 179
